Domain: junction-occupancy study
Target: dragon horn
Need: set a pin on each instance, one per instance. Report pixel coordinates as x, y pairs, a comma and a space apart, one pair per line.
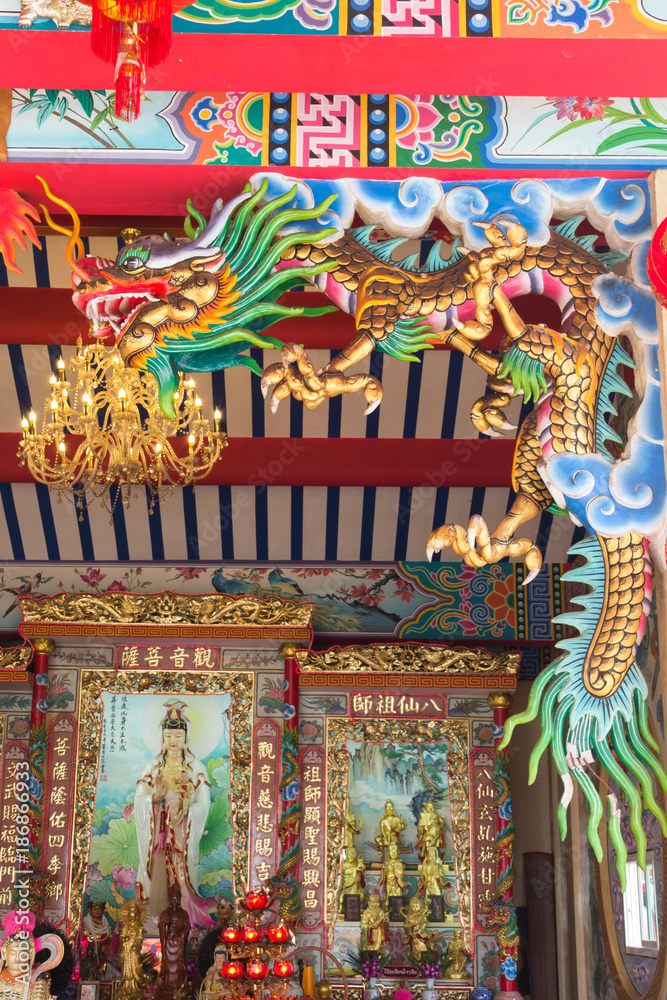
74, 241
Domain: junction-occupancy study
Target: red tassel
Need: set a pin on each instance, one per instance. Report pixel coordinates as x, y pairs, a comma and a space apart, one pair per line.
130, 77
105, 35
156, 37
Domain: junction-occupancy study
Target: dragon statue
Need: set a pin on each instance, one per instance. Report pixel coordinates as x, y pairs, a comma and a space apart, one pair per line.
196, 304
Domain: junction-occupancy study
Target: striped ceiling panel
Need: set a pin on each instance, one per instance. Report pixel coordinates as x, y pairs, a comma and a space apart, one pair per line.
364, 520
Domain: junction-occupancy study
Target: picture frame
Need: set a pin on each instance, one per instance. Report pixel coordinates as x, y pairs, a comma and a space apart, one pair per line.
88, 990
94, 685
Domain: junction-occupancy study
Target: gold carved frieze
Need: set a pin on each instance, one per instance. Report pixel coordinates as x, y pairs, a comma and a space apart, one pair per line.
15, 657
166, 608
93, 683
454, 733
386, 990
409, 658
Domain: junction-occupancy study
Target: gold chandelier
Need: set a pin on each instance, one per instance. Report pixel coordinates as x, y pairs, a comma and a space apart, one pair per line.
118, 436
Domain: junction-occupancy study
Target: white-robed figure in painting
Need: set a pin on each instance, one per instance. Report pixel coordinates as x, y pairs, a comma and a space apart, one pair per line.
171, 807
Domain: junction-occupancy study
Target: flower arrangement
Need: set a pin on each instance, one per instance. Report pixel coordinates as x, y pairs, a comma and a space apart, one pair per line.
368, 964
431, 961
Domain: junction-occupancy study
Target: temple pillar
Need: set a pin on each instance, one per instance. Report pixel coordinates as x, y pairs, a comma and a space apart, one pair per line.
507, 934
290, 785
37, 751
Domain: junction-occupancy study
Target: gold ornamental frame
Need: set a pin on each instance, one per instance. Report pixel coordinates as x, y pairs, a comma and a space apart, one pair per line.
92, 684
456, 734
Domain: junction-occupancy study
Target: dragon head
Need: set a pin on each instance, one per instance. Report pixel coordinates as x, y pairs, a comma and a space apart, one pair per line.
195, 304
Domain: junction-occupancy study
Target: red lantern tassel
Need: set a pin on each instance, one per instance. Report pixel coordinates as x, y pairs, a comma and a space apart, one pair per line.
105, 35
130, 77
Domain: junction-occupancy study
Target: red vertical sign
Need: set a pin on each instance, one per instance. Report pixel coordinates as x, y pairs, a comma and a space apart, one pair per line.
264, 802
13, 848
484, 833
58, 826
313, 829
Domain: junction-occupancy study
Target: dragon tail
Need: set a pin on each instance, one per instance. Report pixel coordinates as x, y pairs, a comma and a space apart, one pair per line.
592, 699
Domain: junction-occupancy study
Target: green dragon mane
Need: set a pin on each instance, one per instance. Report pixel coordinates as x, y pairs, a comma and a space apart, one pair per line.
253, 244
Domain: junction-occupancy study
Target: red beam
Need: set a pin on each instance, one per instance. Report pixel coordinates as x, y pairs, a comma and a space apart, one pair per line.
342, 65
338, 462
162, 189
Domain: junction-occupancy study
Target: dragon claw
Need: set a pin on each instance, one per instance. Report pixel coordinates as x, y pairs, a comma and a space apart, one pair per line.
275, 403
430, 552
371, 406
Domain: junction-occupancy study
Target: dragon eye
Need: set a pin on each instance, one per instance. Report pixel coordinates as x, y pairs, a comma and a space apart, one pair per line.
132, 263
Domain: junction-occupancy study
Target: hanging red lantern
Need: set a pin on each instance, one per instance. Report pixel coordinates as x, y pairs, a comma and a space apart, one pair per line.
252, 933
278, 933
656, 263
283, 967
256, 900
257, 968
231, 934
135, 35
232, 969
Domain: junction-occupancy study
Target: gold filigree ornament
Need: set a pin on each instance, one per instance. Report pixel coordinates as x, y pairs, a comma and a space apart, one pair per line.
15, 657
408, 658
166, 608
452, 732
93, 684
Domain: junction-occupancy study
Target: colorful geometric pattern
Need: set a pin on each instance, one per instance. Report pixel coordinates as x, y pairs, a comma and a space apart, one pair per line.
346, 131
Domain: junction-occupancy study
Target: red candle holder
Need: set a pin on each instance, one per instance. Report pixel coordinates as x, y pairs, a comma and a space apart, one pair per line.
232, 969
278, 933
257, 968
232, 934
255, 900
252, 933
283, 967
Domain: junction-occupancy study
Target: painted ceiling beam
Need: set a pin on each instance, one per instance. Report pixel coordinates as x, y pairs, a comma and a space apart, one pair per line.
348, 65
273, 461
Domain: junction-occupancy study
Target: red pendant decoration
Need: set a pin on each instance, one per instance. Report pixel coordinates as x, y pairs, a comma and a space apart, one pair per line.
656, 263
135, 35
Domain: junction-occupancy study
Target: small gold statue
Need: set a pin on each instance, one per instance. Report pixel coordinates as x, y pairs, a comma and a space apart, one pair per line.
457, 958
429, 828
353, 825
415, 928
432, 874
214, 984
391, 827
352, 883
14, 979
373, 926
393, 878
132, 915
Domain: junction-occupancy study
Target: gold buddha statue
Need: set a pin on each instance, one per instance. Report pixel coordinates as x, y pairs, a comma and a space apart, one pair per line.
214, 984
414, 928
373, 925
352, 881
457, 958
132, 915
432, 874
429, 829
353, 825
393, 877
391, 827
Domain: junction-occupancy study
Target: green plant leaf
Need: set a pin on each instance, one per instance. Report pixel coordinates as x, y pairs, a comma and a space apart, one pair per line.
45, 112
52, 96
630, 135
85, 99
650, 111
31, 93
99, 118
62, 106
566, 128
